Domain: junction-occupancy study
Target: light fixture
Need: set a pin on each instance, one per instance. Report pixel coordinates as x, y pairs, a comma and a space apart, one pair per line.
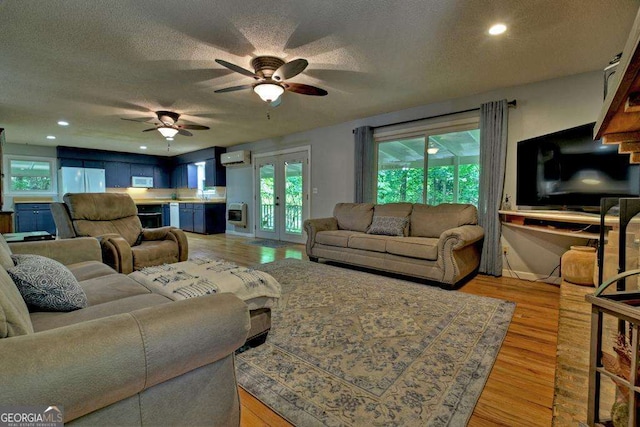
268, 92
169, 139
51, 137
167, 132
63, 123
432, 150
497, 29
143, 147
589, 177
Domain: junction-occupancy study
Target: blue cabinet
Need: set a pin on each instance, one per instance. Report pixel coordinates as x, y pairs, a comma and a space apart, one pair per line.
186, 216
185, 176
161, 178
141, 170
34, 217
117, 174
215, 175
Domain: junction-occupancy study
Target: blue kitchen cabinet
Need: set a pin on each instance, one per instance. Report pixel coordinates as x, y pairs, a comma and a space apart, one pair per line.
138, 169
34, 217
186, 216
185, 176
215, 175
166, 214
117, 174
161, 178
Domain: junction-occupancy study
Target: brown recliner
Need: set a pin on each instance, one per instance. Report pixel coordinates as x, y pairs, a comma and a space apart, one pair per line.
113, 218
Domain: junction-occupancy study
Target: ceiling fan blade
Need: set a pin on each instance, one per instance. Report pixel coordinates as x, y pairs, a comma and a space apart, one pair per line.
290, 69
237, 69
140, 119
184, 132
305, 89
149, 130
233, 88
193, 127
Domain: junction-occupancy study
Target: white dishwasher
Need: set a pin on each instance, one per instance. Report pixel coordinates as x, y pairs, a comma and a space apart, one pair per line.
174, 214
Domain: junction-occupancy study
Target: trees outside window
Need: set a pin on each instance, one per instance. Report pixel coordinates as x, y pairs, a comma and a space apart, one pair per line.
451, 163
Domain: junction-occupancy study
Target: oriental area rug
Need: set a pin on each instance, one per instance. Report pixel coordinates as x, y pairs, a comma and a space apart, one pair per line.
353, 348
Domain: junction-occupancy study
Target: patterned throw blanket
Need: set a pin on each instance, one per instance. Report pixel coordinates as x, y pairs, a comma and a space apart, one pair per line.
203, 276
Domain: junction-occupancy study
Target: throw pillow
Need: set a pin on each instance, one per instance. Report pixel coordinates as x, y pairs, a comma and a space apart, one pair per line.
46, 284
388, 225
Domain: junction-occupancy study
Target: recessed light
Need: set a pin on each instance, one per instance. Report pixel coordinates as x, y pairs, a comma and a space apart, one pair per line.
63, 123
143, 147
497, 29
51, 137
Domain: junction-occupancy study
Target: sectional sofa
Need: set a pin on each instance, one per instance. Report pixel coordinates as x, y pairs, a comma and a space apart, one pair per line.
131, 357
439, 243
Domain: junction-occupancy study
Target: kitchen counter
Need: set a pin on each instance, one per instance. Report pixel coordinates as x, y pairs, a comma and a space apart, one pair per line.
163, 201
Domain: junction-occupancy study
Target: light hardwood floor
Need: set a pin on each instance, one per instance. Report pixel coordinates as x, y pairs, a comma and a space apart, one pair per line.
519, 391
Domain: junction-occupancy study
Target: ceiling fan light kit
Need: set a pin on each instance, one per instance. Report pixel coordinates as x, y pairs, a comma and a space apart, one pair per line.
167, 132
268, 92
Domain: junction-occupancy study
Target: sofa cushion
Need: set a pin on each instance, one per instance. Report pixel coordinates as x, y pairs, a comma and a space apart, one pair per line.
45, 320
432, 221
110, 288
353, 216
155, 252
129, 228
388, 225
5, 254
368, 242
90, 269
14, 315
46, 284
414, 247
334, 238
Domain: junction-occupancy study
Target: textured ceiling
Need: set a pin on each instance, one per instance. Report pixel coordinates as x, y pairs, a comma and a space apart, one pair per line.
93, 62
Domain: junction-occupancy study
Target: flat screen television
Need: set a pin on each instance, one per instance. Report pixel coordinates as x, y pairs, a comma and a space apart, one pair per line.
569, 170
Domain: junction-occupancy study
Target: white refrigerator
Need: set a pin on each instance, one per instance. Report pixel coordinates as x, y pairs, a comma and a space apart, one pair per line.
81, 180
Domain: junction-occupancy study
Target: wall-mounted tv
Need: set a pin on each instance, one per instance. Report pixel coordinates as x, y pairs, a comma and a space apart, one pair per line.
569, 170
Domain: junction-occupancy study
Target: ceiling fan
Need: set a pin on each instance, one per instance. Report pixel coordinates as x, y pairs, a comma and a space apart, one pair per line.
167, 126
271, 73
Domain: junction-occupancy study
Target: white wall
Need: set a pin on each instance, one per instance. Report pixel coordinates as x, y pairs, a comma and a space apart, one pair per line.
543, 107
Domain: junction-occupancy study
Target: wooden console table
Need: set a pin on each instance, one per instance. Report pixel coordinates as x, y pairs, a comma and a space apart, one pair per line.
573, 224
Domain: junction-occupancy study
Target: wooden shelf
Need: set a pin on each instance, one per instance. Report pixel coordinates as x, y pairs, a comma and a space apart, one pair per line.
570, 224
619, 119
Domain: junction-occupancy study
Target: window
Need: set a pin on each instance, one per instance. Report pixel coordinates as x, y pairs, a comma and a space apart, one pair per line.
31, 175
449, 157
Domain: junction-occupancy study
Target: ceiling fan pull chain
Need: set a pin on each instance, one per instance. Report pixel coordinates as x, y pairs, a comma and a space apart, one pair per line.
268, 114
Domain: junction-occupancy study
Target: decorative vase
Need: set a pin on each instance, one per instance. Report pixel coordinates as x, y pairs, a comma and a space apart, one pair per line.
578, 265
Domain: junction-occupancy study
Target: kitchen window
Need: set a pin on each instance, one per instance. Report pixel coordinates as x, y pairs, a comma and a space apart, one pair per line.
30, 175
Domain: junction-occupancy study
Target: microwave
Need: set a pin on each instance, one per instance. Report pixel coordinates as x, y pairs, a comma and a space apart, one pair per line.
142, 181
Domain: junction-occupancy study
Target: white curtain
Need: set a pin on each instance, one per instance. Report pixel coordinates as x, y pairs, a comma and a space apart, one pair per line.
364, 167
493, 154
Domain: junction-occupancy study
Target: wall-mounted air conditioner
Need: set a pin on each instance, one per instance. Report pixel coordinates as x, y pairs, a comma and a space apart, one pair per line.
236, 158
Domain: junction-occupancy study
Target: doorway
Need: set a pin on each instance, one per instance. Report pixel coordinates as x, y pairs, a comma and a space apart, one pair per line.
282, 195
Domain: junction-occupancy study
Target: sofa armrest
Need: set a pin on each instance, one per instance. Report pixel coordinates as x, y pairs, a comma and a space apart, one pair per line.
183, 243
459, 251
116, 252
93, 364
462, 236
315, 225
160, 233
66, 251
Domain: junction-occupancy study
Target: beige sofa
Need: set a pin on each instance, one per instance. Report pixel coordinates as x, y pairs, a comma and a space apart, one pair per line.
439, 243
131, 357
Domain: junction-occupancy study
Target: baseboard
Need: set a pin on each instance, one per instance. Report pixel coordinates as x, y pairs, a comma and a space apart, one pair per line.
237, 233
532, 277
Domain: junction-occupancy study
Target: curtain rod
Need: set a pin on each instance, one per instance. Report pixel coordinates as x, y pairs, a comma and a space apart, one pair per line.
513, 104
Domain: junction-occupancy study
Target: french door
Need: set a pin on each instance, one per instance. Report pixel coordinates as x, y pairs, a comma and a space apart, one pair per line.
282, 196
